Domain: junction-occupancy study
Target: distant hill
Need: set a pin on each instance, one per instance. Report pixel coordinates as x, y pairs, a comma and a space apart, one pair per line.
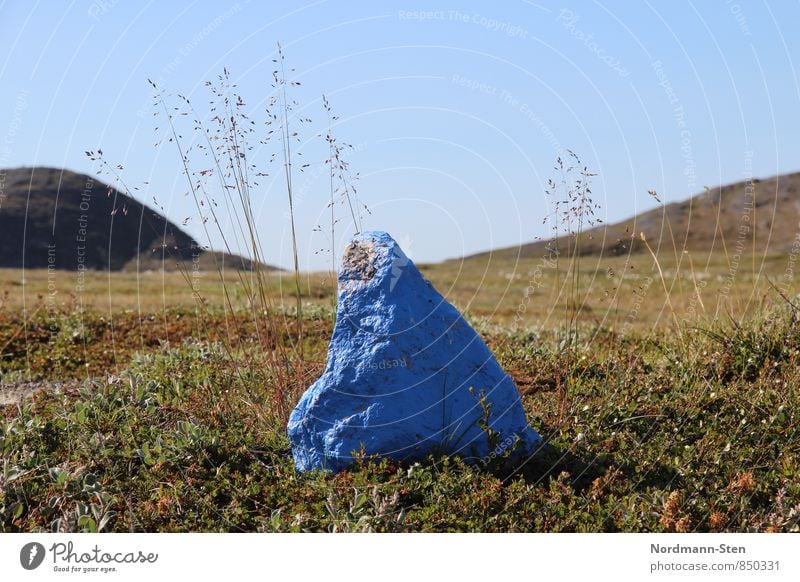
758, 215
50, 216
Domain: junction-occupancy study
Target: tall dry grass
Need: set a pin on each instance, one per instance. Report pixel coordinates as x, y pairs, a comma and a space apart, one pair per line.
221, 155
574, 211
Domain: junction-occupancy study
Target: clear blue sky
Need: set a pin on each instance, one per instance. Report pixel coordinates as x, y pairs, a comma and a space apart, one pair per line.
458, 109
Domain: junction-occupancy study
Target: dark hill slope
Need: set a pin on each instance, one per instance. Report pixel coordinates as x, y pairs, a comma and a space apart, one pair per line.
758, 215
53, 216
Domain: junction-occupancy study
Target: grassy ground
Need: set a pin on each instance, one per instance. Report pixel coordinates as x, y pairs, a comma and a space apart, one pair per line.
617, 292
162, 414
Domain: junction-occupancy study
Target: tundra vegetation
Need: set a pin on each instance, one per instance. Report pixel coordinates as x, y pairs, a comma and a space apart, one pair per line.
157, 401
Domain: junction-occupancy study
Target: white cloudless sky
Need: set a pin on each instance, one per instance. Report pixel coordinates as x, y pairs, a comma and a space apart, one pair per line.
457, 110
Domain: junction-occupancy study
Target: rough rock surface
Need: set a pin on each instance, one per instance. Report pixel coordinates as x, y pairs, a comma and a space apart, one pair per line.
406, 374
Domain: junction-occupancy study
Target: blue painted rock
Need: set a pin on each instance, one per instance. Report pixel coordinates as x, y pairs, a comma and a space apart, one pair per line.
406, 375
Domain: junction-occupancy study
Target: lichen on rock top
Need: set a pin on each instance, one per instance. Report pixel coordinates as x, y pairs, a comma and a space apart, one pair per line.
406, 375
358, 261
